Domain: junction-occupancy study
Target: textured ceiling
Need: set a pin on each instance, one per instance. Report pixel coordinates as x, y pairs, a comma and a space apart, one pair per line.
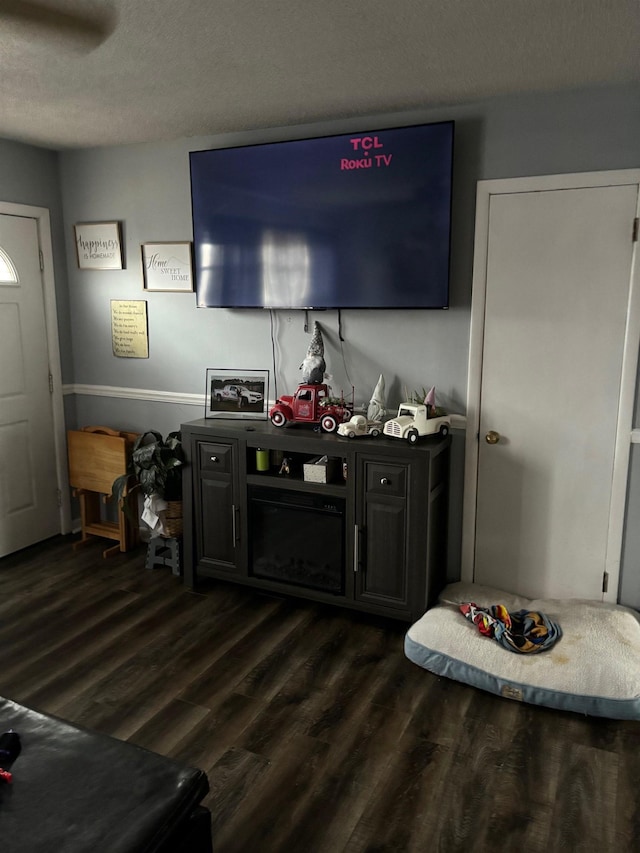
175, 68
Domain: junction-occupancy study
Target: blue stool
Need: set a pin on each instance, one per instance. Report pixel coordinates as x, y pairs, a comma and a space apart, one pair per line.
164, 552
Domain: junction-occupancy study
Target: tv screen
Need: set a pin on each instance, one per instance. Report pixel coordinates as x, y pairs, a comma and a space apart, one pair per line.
356, 220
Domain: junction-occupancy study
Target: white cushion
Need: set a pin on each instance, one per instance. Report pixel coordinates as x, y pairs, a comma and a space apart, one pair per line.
593, 669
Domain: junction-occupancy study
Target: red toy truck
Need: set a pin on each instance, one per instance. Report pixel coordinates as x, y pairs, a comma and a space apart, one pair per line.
311, 404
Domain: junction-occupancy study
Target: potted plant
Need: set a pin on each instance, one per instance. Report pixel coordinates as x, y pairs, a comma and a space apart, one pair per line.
155, 468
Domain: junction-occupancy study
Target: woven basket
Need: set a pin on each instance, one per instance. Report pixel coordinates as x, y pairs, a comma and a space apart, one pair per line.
172, 520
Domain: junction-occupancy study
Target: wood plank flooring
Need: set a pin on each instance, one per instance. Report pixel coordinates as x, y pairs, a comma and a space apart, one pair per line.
316, 733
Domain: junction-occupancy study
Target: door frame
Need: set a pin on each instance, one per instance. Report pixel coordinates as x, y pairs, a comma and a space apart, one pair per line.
485, 190
43, 225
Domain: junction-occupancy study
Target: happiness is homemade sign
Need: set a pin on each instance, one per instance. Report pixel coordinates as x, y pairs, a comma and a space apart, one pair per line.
98, 245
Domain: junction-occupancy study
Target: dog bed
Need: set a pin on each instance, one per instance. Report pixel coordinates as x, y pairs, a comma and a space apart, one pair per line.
593, 669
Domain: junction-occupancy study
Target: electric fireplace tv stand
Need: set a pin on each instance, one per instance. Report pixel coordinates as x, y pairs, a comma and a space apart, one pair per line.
365, 527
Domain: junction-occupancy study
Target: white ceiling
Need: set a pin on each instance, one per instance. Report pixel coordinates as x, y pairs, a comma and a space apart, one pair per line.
176, 68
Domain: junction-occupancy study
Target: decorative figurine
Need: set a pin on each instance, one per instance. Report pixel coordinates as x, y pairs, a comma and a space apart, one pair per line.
415, 420
311, 404
376, 410
285, 468
313, 367
359, 425
430, 402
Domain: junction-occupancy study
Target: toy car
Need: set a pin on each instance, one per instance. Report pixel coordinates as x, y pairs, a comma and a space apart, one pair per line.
413, 422
359, 425
311, 404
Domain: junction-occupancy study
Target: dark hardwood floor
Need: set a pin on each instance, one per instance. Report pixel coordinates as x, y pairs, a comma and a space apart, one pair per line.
316, 733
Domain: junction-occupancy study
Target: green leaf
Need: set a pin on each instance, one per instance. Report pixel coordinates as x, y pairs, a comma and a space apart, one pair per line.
155, 466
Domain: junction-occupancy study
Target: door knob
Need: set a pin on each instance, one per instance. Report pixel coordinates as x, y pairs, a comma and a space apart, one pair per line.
492, 437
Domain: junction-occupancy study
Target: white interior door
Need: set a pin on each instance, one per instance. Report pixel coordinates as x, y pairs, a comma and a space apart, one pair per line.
29, 498
557, 274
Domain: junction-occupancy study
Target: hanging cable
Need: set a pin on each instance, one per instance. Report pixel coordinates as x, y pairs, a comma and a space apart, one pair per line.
273, 355
341, 338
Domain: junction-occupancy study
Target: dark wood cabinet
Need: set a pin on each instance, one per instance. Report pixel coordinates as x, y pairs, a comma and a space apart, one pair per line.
382, 538
365, 527
216, 493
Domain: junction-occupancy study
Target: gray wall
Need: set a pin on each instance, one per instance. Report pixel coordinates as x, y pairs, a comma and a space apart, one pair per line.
31, 176
146, 187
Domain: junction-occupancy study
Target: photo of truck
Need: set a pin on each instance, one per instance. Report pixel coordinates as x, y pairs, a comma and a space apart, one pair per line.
237, 394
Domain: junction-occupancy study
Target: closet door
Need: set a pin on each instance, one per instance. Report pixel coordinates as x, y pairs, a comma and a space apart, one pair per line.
550, 405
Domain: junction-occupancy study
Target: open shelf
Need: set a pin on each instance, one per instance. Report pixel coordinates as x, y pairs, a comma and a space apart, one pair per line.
294, 467
296, 484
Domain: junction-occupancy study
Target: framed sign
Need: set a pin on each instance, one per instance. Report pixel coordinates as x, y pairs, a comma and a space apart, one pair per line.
129, 328
237, 393
167, 266
99, 245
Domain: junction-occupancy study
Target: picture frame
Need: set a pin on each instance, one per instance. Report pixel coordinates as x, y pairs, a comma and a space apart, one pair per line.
232, 393
129, 328
98, 245
167, 267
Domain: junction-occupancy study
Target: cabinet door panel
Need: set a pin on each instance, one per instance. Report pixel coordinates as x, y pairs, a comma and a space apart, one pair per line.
218, 523
383, 578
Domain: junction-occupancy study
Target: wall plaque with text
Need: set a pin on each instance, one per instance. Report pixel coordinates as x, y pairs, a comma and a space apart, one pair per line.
129, 331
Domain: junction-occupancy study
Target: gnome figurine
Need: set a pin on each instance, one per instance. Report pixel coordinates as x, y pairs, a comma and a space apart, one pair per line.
376, 410
313, 367
430, 402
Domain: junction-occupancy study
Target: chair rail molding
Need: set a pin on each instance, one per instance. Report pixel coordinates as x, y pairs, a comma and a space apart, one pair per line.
135, 394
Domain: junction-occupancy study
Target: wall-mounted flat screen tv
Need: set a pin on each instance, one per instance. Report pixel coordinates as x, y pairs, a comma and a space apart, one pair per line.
356, 220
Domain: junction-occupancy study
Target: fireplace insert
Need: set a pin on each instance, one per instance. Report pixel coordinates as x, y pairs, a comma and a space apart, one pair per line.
297, 538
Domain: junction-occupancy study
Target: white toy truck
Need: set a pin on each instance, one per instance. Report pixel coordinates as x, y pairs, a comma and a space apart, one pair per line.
359, 425
412, 423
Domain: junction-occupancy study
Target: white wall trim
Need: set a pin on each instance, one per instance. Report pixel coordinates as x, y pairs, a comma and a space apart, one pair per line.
458, 422
622, 450
43, 224
136, 394
625, 435
474, 379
